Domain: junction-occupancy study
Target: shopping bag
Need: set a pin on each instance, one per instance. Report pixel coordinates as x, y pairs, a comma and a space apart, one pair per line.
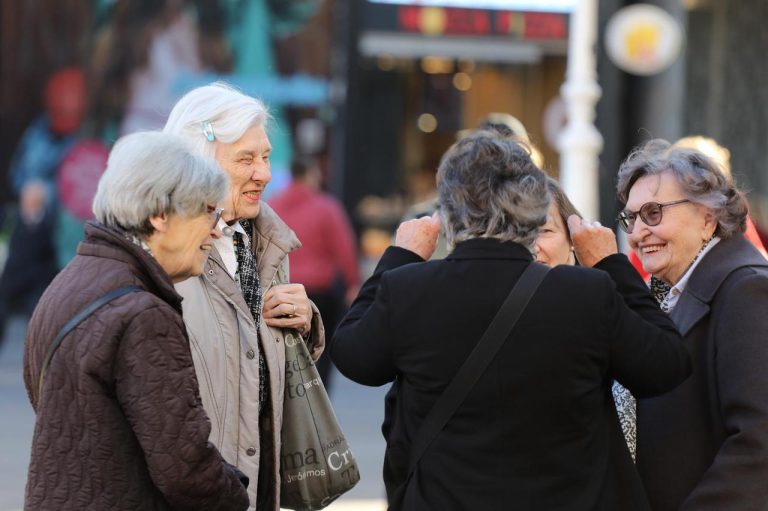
316, 464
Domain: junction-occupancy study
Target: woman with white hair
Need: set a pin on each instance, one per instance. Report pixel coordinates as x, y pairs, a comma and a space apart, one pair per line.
238, 311
120, 424
538, 429
703, 446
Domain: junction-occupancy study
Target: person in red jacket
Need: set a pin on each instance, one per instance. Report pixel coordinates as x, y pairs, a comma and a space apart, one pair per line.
326, 264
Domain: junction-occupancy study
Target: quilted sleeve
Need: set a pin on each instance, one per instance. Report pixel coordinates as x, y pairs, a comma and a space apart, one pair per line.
158, 391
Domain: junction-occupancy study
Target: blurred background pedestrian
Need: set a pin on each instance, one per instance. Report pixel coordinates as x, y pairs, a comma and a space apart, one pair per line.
32, 263
326, 263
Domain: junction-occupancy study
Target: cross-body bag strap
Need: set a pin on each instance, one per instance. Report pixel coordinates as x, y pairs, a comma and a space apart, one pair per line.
72, 323
471, 371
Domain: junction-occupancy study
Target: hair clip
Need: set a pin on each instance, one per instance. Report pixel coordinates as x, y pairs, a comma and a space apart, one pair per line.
207, 128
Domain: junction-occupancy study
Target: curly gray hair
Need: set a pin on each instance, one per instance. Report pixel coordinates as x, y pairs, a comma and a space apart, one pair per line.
701, 180
488, 187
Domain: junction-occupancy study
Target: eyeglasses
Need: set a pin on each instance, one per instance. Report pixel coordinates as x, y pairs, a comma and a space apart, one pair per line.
650, 213
216, 212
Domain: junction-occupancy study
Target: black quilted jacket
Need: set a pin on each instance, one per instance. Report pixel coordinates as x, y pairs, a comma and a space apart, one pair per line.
120, 424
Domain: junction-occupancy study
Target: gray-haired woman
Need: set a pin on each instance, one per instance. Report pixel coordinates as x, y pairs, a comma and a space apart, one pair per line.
240, 310
120, 424
705, 444
539, 428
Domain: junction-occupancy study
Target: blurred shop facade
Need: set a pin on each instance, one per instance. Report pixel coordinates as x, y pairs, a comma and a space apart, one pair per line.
378, 89
418, 74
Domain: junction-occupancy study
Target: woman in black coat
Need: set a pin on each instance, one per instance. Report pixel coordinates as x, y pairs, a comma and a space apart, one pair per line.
539, 430
703, 446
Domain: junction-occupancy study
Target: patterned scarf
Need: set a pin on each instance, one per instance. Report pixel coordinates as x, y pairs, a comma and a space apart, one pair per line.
247, 277
660, 289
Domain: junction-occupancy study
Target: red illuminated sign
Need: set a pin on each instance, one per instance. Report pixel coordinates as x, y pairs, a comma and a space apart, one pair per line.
436, 21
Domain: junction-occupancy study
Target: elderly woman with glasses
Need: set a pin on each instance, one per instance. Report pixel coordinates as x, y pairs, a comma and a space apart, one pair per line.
120, 424
703, 445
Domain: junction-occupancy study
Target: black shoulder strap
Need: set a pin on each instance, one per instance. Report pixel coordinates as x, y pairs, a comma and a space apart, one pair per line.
72, 323
485, 351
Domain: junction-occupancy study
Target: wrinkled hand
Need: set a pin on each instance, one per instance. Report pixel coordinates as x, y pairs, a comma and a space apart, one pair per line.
419, 235
287, 306
591, 241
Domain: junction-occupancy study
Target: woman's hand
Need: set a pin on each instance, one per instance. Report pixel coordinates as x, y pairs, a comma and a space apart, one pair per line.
288, 306
419, 235
591, 241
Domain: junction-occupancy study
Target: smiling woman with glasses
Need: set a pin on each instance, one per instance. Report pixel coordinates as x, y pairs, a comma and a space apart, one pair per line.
705, 444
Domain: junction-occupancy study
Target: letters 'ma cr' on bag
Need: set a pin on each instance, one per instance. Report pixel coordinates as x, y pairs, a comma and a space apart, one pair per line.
316, 464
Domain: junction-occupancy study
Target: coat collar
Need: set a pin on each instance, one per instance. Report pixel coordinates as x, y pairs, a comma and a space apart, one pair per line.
106, 242
272, 229
272, 240
726, 257
490, 248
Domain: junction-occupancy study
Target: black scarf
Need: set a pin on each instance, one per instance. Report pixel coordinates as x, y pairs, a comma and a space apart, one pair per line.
248, 279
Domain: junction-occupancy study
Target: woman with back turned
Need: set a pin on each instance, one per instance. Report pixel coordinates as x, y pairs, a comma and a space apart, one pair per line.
538, 430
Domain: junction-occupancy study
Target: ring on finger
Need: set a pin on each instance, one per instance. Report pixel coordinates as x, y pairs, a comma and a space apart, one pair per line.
294, 310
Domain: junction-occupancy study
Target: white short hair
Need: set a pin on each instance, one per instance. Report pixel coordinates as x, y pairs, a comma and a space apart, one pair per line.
216, 111
151, 173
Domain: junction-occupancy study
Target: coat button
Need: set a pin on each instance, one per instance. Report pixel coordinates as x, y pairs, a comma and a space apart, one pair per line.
250, 354
251, 451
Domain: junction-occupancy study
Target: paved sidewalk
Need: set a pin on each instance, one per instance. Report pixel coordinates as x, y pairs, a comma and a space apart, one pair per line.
16, 419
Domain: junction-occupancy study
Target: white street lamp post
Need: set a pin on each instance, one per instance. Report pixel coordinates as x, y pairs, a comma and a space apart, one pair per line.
580, 142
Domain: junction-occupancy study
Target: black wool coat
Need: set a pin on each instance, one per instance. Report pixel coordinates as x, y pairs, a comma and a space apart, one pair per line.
704, 446
539, 430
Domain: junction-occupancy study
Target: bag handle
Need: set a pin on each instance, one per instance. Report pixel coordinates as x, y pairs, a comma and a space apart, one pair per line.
482, 355
76, 320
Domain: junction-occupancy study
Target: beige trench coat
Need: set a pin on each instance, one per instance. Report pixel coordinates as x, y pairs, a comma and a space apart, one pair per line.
224, 348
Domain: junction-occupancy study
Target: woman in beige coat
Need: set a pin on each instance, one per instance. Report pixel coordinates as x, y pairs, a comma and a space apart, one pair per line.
239, 309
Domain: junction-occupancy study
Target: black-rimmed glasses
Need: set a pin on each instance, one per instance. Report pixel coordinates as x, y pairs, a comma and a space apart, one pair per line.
216, 213
650, 213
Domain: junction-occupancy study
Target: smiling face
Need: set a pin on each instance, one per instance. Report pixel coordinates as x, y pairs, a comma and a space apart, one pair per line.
181, 244
553, 246
247, 163
666, 250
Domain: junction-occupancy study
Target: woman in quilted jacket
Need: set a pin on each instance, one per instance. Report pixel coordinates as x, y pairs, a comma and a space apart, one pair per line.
120, 424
